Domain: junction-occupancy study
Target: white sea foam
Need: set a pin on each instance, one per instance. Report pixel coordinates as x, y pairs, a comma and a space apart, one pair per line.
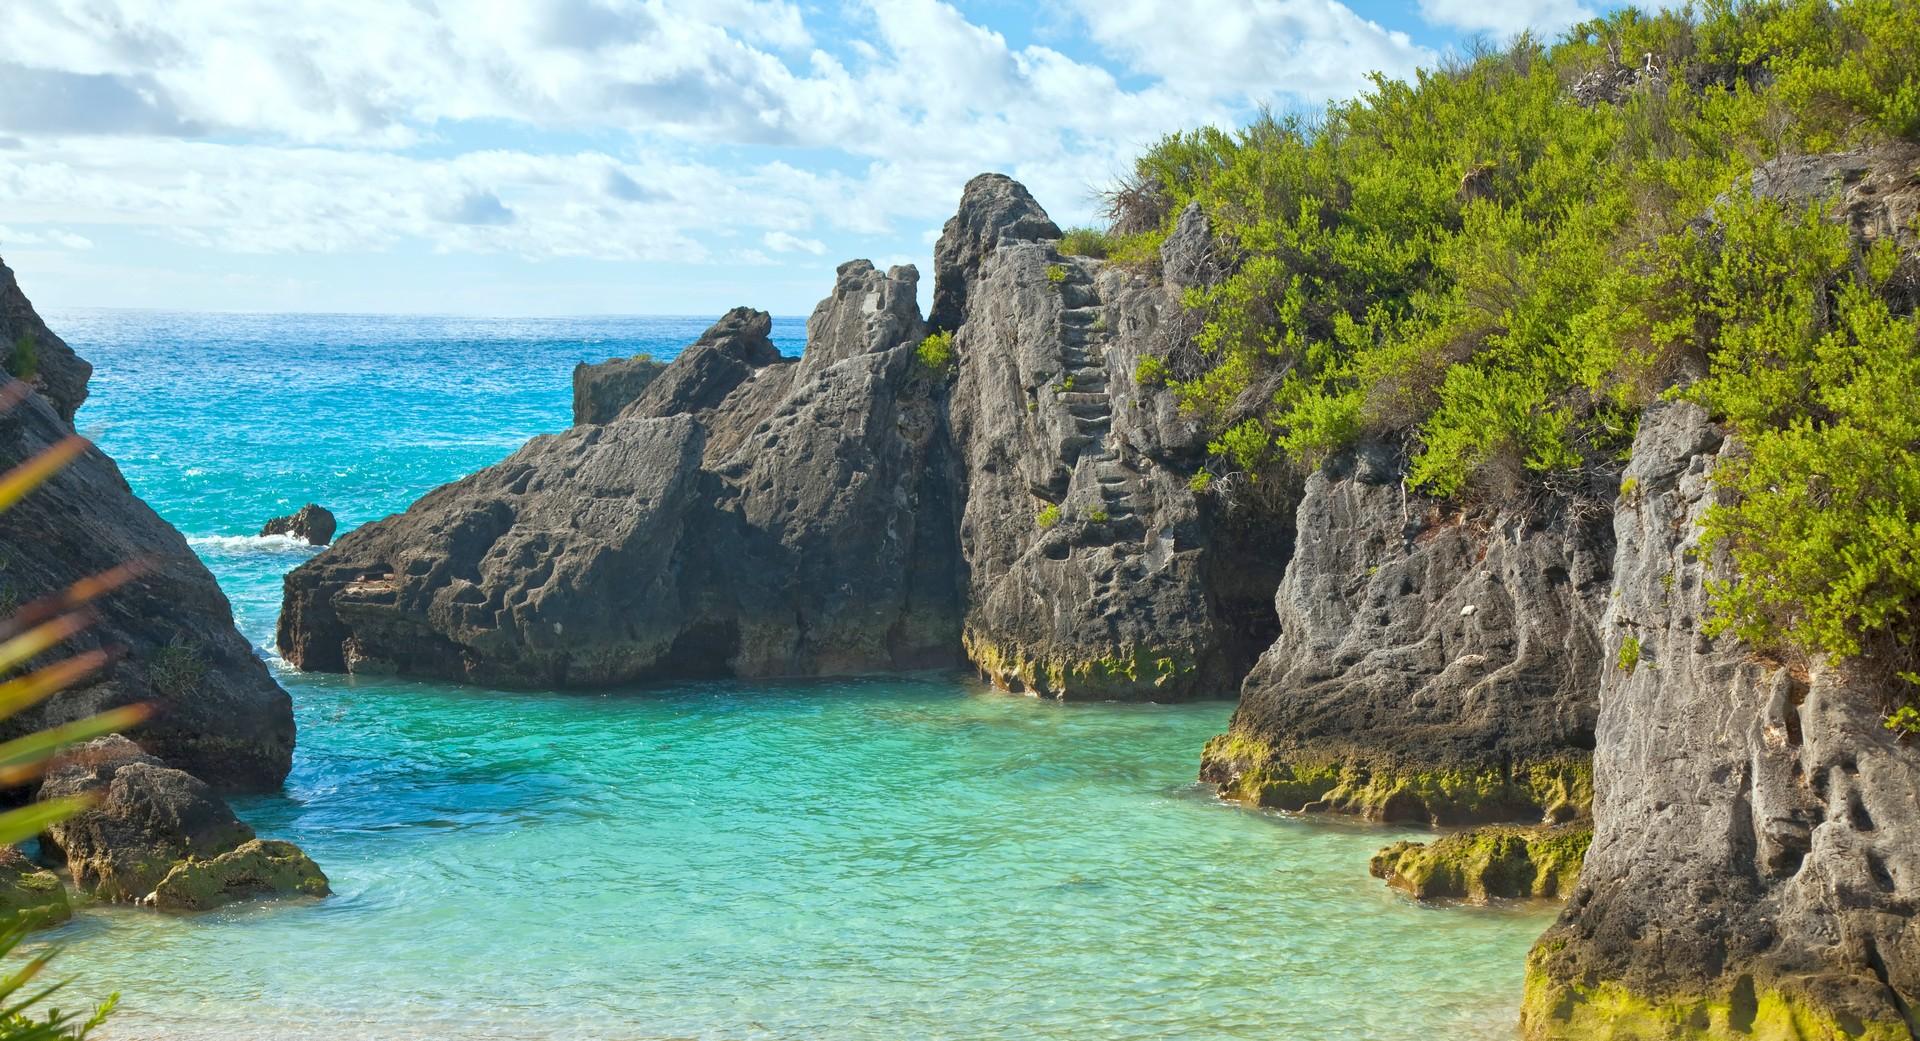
251, 543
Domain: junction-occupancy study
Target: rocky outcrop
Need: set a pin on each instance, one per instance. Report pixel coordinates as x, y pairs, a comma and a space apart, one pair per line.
150, 822
1756, 855
218, 712
255, 868
1431, 666
1089, 555
602, 389
746, 514
313, 523
1487, 863
25, 342
29, 894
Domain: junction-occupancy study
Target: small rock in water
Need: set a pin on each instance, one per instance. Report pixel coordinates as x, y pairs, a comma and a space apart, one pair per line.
313, 523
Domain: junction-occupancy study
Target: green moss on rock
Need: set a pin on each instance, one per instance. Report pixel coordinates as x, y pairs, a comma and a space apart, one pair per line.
30, 894
1487, 863
1127, 673
1556, 1010
1246, 769
256, 868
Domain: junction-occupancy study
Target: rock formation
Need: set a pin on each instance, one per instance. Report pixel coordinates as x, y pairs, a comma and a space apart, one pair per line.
746, 514
1087, 551
1756, 854
1432, 666
739, 513
30, 894
154, 828
56, 372
313, 523
219, 714
1488, 863
602, 389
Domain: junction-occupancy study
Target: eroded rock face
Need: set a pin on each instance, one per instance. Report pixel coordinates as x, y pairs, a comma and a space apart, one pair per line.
255, 868
313, 523
30, 894
1087, 551
1498, 861
746, 514
59, 374
1430, 667
219, 714
148, 817
1756, 854
602, 389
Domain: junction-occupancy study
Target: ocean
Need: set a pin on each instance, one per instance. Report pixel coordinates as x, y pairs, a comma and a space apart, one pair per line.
890, 858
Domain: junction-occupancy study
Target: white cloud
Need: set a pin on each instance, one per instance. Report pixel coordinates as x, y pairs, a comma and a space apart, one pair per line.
781, 242
458, 125
56, 237
1507, 19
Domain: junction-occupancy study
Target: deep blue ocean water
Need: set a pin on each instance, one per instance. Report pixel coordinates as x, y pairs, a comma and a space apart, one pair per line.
900, 858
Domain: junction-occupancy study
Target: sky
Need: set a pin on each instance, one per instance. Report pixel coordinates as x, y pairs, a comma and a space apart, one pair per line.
550, 157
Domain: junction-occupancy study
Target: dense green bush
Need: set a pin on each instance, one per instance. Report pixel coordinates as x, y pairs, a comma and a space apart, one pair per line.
1501, 262
936, 356
1085, 242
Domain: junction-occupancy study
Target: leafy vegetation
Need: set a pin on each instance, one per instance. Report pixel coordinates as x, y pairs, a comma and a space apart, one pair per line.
936, 355
1048, 517
1629, 654
23, 360
177, 669
1056, 273
1502, 262
1086, 242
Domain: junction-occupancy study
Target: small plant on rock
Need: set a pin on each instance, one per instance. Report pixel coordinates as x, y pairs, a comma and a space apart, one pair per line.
177, 669
1056, 273
1048, 517
1629, 654
1098, 516
1085, 242
936, 355
23, 361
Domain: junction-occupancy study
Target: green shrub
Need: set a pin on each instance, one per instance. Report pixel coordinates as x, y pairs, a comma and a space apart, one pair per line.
1200, 481
1150, 372
1097, 516
1085, 242
1056, 273
177, 669
1629, 654
1048, 517
23, 361
936, 355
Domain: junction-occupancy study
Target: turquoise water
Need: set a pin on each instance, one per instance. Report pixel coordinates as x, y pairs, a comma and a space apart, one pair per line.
896, 858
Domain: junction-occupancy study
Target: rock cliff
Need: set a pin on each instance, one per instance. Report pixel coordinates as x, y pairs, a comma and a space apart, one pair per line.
1756, 853
745, 514
1432, 665
219, 714
1088, 553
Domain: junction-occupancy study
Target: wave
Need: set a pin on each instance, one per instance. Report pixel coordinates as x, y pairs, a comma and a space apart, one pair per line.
252, 544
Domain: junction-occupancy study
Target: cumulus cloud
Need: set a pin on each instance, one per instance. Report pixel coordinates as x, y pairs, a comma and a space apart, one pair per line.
1504, 20
782, 242
235, 125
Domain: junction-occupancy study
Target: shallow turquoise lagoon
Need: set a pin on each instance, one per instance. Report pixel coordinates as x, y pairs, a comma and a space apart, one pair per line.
894, 858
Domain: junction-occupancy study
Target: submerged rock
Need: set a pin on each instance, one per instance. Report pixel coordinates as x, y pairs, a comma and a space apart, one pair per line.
29, 893
218, 712
256, 868
602, 389
310, 522
149, 821
747, 514
1431, 667
1487, 863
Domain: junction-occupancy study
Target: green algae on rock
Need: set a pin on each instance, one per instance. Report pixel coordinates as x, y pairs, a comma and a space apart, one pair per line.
1487, 863
256, 868
1246, 769
30, 893
1559, 1010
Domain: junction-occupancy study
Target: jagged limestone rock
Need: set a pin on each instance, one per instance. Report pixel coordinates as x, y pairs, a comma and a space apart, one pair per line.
602, 389
1756, 853
313, 523
1087, 552
218, 712
256, 868
30, 894
1432, 666
1486, 863
746, 514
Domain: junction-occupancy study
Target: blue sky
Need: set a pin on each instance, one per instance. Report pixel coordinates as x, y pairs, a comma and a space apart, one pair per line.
519, 157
